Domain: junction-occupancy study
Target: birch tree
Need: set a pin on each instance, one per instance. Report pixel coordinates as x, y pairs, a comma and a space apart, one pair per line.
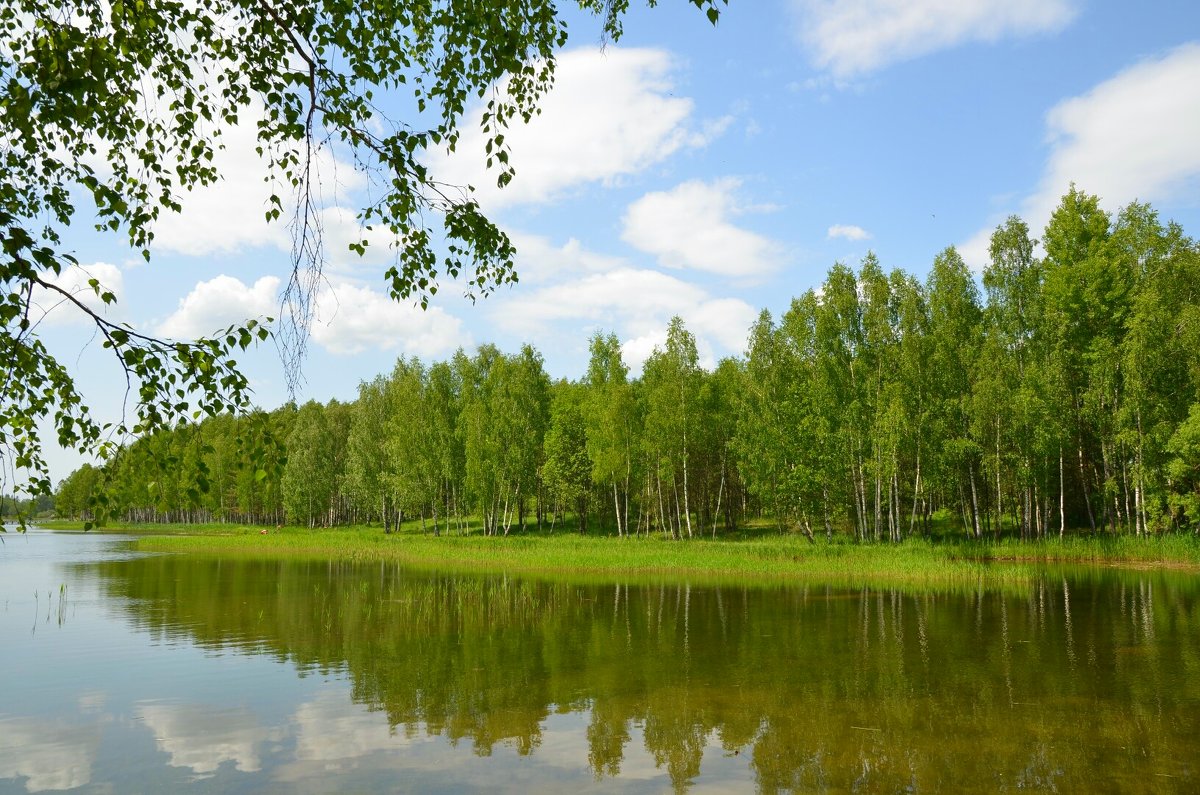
670, 377
610, 415
368, 472
954, 334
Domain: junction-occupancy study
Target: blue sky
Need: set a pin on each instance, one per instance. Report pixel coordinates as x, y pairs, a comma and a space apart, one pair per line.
710, 173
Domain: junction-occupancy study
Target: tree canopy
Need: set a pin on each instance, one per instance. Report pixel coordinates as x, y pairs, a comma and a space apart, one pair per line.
113, 110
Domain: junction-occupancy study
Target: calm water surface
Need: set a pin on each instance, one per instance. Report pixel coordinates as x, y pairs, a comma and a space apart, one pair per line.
128, 674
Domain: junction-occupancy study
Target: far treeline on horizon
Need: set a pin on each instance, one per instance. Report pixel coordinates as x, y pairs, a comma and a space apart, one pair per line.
1063, 395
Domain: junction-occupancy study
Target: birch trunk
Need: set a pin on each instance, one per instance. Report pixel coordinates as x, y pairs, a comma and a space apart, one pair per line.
916, 493
1062, 497
1087, 498
974, 503
617, 509
686, 512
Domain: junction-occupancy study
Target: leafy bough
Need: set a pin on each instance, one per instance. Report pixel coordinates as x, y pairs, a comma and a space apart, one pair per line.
122, 104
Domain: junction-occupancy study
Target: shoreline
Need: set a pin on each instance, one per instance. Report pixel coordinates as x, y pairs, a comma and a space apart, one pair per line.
758, 559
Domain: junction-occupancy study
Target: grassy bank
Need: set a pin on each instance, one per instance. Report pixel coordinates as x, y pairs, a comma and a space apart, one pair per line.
751, 557
1177, 551
776, 559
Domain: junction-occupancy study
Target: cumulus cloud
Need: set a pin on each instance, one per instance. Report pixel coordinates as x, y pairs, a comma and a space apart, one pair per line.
1131, 137
230, 214
628, 291
201, 738
848, 231
49, 756
690, 226
349, 317
539, 260
853, 37
611, 113
720, 326
637, 304
726, 321
333, 730
340, 228
221, 302
352, 318
74, 280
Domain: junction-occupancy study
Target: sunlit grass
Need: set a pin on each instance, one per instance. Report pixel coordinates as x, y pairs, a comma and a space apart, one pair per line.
778, 558
755, 555
1172, 549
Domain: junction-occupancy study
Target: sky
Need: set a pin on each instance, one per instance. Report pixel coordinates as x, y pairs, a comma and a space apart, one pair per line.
700, 171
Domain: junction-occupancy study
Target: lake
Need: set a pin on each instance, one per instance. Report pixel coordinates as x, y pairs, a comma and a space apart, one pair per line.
127, 673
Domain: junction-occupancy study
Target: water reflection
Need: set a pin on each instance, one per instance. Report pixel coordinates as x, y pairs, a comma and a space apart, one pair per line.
198, 737
54, 755
334, 734
1083, 678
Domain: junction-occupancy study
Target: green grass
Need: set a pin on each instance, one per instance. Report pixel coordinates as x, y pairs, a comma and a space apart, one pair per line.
1174, 550
157, 529
756, 554
776, 559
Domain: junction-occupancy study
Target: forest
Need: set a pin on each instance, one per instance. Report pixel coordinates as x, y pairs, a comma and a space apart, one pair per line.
1057, 391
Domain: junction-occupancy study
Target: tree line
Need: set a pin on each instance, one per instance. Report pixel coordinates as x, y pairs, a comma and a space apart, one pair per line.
1064, 394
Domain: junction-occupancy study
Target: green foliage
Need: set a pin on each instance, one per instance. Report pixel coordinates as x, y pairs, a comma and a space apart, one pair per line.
876, 409
123, 106
568, 469
316, 446
1184, 467
369, 476
612, 420
671, 382
75, 494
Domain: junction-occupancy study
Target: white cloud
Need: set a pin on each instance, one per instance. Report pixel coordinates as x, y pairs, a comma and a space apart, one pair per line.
49, 756
74, 280
201, 738
627, 291
340, 227
848, 231
221, 302
351, 319
538, 260
719, 325
636, 350
637, 304
230, 215
724, 320
333, 730
689, 227
975, 249
1131, 137
611, 113
853, 37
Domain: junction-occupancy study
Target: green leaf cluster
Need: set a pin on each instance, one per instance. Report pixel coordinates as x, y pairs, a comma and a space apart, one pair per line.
115, 109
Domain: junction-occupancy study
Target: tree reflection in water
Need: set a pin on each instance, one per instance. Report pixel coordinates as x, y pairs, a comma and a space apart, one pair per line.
1085, 677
